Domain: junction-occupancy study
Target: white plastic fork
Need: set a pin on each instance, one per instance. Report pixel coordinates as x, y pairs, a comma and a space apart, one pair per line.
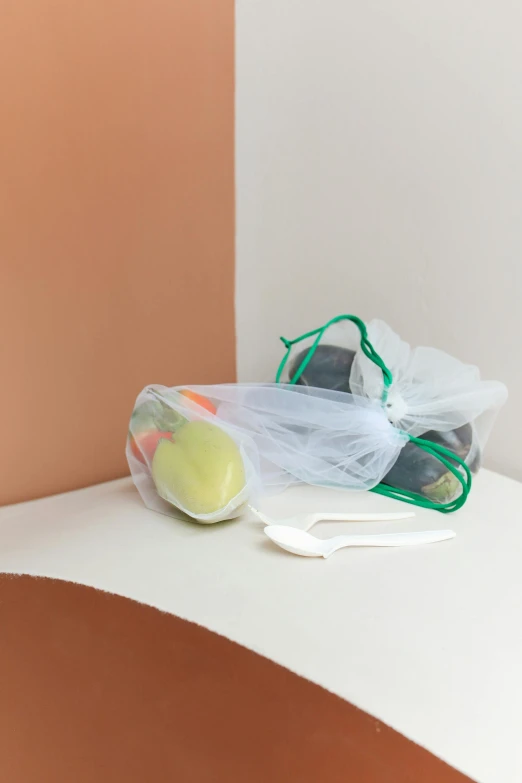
307, 521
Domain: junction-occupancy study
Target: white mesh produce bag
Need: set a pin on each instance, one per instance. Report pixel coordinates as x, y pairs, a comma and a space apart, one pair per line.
431, 390
209, 451
424, 392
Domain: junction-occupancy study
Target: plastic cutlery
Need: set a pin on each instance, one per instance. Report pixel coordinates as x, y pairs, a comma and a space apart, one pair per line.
299, 542
306, 521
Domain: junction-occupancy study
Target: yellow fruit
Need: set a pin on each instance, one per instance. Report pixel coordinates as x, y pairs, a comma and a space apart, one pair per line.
201, 471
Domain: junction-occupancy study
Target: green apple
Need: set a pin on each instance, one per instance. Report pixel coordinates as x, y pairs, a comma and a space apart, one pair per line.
200, 471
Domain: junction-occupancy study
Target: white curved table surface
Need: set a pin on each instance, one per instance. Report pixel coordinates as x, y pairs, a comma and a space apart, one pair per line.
427, 639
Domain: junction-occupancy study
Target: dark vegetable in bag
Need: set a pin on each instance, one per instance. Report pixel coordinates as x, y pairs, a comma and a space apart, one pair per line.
415, 470
329, 368
460, 441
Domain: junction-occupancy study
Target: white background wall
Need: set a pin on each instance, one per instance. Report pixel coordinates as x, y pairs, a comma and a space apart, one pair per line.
379, 172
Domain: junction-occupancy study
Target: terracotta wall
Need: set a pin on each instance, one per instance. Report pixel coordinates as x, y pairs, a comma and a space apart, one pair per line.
116, 224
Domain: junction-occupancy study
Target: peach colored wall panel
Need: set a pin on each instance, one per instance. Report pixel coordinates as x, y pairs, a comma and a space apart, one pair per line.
116, 224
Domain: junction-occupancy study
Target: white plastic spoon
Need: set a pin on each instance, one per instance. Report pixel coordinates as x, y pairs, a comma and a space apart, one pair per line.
299, 542
306, 521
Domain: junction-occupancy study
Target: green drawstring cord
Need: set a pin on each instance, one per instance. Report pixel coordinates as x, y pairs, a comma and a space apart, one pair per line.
445, 456
366, 346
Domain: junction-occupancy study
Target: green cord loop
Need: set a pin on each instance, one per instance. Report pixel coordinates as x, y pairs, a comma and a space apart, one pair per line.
366, 347
445, 456
448, 459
